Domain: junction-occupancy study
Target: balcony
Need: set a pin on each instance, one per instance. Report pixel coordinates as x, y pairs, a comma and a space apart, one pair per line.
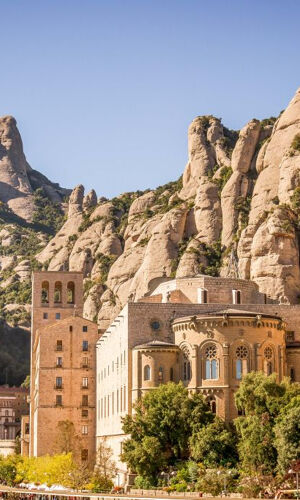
58, 387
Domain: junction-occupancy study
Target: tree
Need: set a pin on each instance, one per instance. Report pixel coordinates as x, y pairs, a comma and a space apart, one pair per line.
8, 469
105, 468
67, 441
261, 399
160, 428
287, 435
214, 445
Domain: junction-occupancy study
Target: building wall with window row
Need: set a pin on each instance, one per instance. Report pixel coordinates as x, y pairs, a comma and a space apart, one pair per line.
63, 364
206, 332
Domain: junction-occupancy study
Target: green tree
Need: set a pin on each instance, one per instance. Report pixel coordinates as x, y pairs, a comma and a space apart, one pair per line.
214, 445
160, 428
287, 435
9, 469
261, 399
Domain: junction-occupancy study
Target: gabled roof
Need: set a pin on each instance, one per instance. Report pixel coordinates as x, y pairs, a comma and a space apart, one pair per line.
155, 343
66, 321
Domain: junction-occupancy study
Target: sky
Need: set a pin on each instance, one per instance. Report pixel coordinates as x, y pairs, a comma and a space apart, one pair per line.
103, 91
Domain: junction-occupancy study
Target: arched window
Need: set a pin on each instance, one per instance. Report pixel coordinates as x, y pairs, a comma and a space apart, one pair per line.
211, 401
71, 293
236, 296
211, 363
202, 296
171, 374
268, 361
147, 372
160, 374
57, 292
45, 292
187, 372
241, 363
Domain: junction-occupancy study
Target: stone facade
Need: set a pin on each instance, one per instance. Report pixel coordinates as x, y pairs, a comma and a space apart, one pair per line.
62, 364
206, 332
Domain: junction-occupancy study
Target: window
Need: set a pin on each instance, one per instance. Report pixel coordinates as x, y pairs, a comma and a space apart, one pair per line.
58, 400
85, 382
84, 328
84, 455
59, 362
187, 372
57, 315
45, 292
57, 292
211, 401
241, 364
268, 361
71, 293
45, 315
85, 400
70, 328
171, 374
202, 296
236, 296
84, 413
85, 362
58, 383
147, 372
211, 362
26, 428
85, 345
84, 430
59, 345
292, 374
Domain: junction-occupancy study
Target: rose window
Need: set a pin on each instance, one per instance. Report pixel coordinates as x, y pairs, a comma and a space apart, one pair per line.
268, 353
211, 352
241, 352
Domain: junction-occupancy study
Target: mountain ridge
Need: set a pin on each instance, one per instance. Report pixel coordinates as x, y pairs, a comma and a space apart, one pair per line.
234, 212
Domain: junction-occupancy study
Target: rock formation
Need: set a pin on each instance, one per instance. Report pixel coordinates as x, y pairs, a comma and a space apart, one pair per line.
239, 198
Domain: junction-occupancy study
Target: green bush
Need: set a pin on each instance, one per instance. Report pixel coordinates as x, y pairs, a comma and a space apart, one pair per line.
47, 213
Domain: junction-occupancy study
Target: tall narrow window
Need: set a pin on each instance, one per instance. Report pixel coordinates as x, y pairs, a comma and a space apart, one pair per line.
58, 400
268, 361
71, 293
202, 296
85, 345
160, 374
59, 345
236, 296
211, 401
241, 363
147, 372
57, 292
211, 363
85, 400
85, 382
58, 362
45, 292
58, 383
171, 374
187, 372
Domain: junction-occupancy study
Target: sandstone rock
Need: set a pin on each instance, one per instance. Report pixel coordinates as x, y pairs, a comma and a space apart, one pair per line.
141, 203
235, 188
23, 270
275, 258
7, 261
90, 200
192, 261
208, 214
245, 147
76, 201
93, 302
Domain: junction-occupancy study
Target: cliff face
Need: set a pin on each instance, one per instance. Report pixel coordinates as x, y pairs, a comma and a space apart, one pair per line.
235, 211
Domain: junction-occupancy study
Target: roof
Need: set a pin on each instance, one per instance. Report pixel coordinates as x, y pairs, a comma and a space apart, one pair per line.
4, 388
156, 343
66, 321
229, 312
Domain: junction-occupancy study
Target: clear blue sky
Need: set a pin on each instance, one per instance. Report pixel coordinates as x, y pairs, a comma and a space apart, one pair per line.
104, 90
